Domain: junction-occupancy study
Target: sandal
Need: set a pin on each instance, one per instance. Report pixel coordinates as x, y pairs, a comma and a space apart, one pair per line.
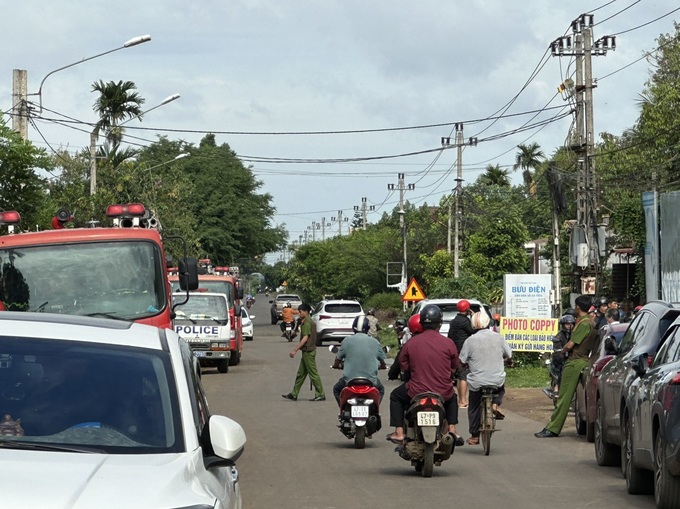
473, 441
394, 440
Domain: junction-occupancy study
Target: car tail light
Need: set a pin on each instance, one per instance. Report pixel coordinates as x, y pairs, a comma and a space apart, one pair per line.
325, 317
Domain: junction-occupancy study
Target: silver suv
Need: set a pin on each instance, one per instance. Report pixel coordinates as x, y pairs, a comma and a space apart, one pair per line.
332, 319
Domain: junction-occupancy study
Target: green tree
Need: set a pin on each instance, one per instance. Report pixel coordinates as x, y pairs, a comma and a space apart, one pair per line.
116, 103
529, 159
494, 175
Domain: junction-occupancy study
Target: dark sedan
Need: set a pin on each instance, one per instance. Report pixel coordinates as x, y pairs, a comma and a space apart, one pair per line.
603, 351
651, 424
642, 337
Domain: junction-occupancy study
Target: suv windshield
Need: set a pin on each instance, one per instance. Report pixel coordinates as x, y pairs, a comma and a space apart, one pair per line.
83, 396
122, 279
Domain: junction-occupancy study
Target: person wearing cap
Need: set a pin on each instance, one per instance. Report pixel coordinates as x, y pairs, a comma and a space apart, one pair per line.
576, 353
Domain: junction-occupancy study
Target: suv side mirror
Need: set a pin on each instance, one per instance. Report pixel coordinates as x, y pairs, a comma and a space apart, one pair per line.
610, 347
639, 364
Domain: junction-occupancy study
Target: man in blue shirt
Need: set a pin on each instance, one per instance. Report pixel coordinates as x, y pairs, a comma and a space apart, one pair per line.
359, 356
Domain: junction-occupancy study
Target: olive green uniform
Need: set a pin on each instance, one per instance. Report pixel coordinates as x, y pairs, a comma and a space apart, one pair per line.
308, 362
583, 336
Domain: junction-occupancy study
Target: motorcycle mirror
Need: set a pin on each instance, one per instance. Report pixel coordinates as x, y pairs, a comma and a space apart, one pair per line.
386, 349
333, 348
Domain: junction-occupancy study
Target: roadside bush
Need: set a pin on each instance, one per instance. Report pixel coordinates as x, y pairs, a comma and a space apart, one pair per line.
387, 301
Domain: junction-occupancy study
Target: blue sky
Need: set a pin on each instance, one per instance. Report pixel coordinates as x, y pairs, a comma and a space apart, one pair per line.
262, 73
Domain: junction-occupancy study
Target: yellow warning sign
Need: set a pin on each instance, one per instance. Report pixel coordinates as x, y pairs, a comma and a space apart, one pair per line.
413, 292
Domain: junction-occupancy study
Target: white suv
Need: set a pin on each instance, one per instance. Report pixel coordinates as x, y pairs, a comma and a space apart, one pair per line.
332, 319
450, 310
107, 413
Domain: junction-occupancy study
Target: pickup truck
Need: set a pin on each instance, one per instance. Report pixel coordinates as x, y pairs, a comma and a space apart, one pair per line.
280, 301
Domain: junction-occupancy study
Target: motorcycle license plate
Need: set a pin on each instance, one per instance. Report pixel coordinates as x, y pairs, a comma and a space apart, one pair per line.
428, 419
360, 411
289, 327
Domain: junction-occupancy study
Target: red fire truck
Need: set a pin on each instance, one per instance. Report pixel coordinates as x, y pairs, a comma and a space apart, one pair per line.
221, 280
117, 272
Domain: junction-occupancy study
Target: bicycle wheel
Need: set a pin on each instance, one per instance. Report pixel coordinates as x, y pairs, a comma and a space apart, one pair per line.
487, 425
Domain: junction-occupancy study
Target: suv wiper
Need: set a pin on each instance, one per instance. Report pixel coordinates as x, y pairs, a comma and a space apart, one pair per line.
36, 446
109, 314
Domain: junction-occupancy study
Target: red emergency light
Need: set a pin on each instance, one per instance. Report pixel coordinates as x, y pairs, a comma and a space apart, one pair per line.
9, 217
128, 209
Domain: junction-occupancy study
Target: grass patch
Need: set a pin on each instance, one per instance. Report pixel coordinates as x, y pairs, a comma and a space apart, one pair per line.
526, 376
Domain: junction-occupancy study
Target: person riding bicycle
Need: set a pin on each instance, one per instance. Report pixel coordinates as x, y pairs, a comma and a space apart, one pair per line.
430, 358
484, 353
567, 323
359, 356
288, 316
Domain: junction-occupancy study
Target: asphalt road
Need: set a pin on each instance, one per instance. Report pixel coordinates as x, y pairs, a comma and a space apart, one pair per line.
296, 457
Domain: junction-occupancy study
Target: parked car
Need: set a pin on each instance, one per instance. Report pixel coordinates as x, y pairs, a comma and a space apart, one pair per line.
642, 337
449, 310
281, 300
651, 424
603, 351
332, 319
247, 324
108, 413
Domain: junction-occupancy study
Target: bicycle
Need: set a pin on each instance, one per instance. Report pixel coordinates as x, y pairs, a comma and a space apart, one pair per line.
488, 420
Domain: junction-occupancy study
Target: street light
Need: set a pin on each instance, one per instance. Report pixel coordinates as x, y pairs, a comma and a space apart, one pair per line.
132, 42
165, 101
153, 187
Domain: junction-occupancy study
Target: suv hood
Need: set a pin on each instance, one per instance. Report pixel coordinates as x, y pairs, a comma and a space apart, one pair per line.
80, 480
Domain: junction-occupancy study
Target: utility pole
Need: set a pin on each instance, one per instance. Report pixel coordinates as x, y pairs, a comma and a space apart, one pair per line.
364, 208
339, 219
305, 236
583, 142
323, 228
19, 102
459, 143
402, 222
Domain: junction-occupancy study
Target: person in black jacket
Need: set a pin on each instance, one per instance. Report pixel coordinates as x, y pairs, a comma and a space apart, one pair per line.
460, 328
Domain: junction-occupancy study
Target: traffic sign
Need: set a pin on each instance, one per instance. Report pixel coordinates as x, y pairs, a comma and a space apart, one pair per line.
413, 292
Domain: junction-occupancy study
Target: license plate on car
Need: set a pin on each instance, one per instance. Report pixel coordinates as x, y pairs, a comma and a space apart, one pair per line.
428, 419
360, 411
199, 353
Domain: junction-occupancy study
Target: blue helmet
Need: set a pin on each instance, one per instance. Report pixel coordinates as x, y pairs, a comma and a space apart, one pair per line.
361, 324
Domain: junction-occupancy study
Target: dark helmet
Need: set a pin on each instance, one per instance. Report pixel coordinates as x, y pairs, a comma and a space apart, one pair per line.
371, 312
567, 319
431, 316
570, 311
414, 324
361, 324
400, 323
602, 301
463, 306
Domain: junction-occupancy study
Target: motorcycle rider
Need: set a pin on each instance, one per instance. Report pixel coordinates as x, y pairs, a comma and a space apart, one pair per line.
430, 358
359, 356
414, 327
567, 323
460, 329
288, 316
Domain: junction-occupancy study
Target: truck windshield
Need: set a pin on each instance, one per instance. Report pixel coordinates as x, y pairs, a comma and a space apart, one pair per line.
117, 279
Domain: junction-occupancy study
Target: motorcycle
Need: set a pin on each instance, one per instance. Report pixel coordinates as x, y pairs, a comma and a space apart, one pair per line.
249, 302
427, 441
359, 411
552, 370
289, 331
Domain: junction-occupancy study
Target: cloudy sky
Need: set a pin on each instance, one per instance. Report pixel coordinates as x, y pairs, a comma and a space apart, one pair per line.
323, 98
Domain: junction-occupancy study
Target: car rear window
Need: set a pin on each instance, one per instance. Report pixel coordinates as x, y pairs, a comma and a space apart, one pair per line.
345, 307
287, 297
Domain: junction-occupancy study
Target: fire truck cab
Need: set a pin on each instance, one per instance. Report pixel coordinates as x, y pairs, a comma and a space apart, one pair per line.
117, 272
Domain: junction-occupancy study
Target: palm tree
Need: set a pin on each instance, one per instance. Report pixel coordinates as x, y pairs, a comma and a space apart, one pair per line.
117, 102
529, 160
495, 176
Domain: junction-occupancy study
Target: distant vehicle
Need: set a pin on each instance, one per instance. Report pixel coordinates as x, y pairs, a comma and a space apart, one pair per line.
585, 410
449, 310
332, 319
109, 413
642, 337
203, 322
247, 323
280, 301
651, 424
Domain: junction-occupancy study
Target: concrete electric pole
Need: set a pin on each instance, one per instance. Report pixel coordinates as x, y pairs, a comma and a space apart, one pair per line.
402, 222
19, 102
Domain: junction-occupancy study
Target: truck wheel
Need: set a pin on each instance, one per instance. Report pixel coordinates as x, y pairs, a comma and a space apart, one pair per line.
223, 366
